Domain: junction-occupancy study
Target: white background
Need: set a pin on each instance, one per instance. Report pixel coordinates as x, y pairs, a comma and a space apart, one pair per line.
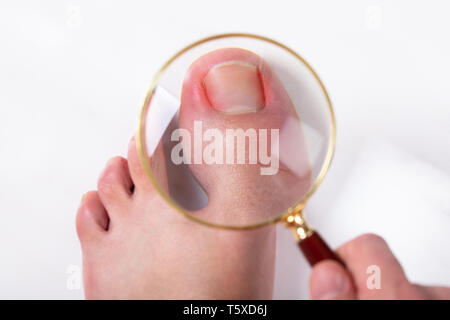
73, 74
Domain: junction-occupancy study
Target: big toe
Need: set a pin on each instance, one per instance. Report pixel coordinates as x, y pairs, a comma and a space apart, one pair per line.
242, 137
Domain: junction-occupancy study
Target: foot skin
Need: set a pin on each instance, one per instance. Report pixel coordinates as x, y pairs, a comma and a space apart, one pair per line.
135, 246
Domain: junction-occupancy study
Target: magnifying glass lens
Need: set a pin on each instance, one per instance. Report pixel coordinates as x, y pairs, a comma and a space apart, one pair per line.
236, 130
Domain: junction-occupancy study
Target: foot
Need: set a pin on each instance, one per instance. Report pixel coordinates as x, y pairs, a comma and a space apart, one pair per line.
136, 246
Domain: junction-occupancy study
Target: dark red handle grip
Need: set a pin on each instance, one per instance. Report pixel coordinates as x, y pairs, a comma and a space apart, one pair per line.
315, 250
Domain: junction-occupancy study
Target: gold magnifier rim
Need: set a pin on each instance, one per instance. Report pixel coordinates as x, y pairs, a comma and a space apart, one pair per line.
140, 139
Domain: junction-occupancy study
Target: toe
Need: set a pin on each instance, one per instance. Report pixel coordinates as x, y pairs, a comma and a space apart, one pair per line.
156, 164
115, 184
92, 220
229, 94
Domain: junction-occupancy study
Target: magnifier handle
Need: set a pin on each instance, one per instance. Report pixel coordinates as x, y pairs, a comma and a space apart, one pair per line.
315, 249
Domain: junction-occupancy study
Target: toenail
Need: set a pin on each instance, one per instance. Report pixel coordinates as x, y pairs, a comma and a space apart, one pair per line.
111, 161
84, 198
132, 143
234, 87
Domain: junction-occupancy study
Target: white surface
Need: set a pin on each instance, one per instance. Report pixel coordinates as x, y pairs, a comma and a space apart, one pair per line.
164, 107
73, 73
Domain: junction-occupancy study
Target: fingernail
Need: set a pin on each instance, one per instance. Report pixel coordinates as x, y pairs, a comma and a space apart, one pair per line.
332, 283
234, 87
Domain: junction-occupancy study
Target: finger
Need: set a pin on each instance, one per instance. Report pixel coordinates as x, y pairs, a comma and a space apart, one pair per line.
330, 280
434, 292
376, 272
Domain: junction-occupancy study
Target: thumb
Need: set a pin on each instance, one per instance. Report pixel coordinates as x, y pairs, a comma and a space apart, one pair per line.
329, 280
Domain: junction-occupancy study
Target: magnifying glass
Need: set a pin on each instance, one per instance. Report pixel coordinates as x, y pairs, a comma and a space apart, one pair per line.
199, 129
